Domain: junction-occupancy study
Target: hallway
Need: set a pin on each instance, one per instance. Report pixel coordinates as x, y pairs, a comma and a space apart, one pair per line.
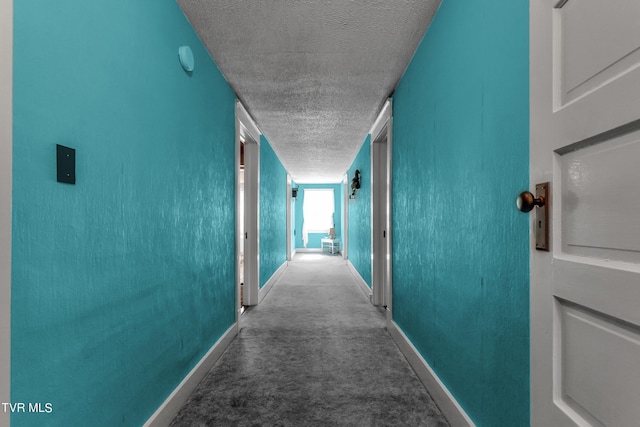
314, 352
127, 279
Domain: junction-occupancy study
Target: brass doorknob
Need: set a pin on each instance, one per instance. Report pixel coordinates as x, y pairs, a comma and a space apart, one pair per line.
526, 201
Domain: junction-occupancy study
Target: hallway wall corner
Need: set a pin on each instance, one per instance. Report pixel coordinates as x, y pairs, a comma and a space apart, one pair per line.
455, 414
366, 289
272, 281
172, 404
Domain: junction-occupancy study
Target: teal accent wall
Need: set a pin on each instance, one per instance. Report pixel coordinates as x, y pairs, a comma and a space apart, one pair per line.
315, 238
273, 212
360, 213
122, 282
460, 247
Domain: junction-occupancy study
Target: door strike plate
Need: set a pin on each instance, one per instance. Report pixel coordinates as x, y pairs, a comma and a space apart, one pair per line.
542, 217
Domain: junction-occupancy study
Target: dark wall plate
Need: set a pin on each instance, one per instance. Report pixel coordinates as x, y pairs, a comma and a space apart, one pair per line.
66, 159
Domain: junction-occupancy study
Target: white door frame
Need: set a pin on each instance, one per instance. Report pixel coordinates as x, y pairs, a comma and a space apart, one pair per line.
345, 224
381, 208
247, 131
289, 217
6, 157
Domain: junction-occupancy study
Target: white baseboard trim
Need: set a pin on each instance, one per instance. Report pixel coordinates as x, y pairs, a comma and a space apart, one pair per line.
272, 281
360, 281
172, 404
448, 405
309, 250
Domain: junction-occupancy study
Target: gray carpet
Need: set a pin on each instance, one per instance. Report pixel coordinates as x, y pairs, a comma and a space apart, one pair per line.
315, 352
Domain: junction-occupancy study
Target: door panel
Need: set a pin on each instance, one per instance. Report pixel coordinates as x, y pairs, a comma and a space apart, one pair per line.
598, 42
585, 140
599, 204
609, 288
609, 351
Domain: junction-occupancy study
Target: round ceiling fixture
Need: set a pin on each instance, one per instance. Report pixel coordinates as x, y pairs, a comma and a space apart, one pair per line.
186, 58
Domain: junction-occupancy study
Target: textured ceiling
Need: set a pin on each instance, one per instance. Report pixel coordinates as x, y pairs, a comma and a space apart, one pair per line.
313, 74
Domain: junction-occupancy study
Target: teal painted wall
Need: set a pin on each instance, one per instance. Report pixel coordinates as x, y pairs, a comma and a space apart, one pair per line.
314, 238
360, 213
460, 247
119, 283
273, 212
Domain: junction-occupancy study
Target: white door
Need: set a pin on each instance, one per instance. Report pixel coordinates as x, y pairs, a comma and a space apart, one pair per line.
248, 224
378, 216
6, 144
289, 218
251, 221
345, 217
585, 141
380, 208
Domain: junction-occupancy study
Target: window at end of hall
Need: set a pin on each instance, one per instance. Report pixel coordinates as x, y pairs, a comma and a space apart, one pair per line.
317, 209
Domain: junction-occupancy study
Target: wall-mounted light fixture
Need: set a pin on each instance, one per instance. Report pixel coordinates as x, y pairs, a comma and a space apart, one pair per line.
355, 184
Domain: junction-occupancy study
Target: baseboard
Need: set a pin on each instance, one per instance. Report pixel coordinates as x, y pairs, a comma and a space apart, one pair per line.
272, 281
309, 250
176, 400
359, 280
448, 405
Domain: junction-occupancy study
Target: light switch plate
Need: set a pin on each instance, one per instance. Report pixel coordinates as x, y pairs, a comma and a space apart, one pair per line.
66, 164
